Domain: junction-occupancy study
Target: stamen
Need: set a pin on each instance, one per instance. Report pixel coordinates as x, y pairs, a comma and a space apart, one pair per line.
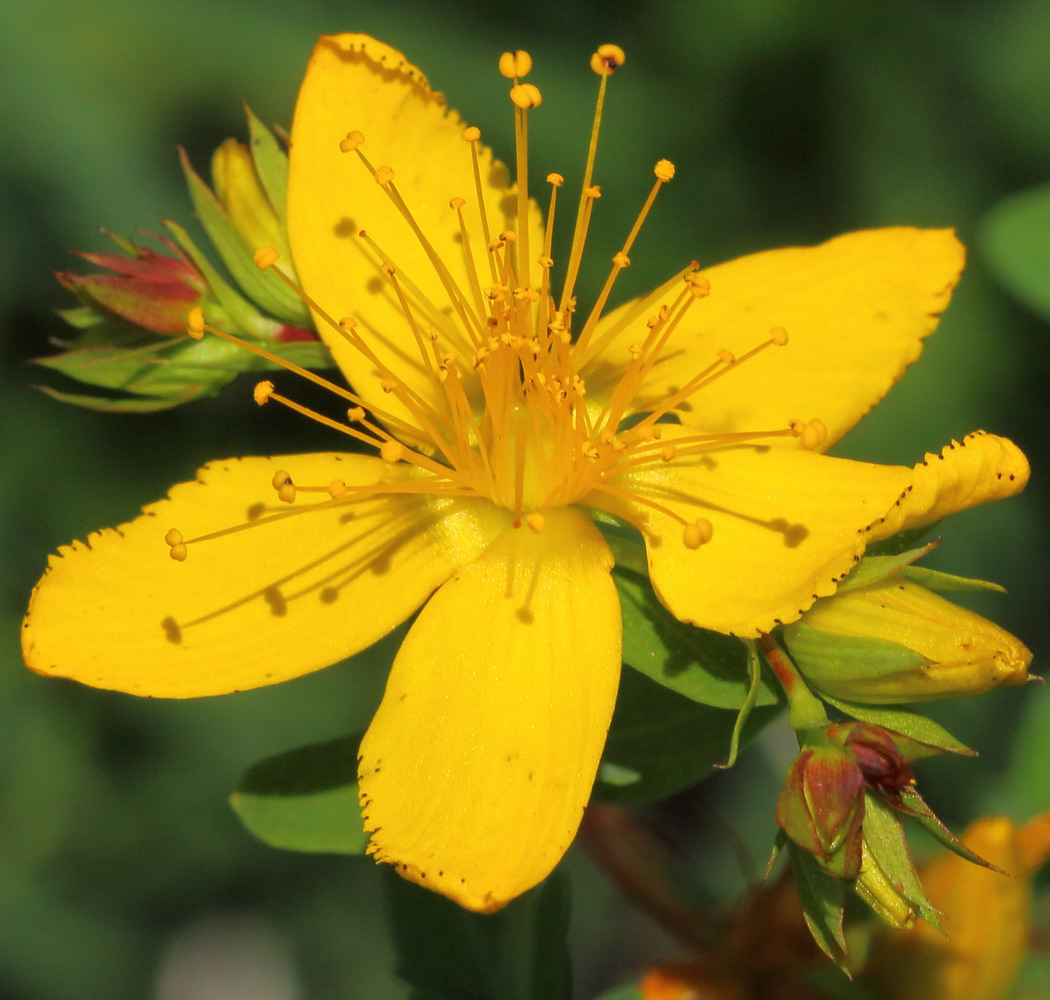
178, 547
472, 134
698, 533
604, 62
265, 257
664, 171
282, 483
515, 64
195, 323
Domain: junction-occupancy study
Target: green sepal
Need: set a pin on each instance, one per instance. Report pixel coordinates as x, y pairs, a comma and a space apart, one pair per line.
445, 952
706, 667
901, 542
1013, 236
821, 655
885, 839
906, 722
934, 579
264, 288
872, 569
305, 799
660, 743
271, 164
823, 900
105, 404
915, 805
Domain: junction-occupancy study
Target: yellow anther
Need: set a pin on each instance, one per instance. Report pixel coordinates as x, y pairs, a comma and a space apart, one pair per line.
265, 257
621, 260
607, 60
262, 392
593, 191
515, 64
508, 236
388, 269
545, 261
726, 356
779, 336
174, 541
814, 434
384, 175
556, 179
457, 203
698, 533
355, 414
668, 451
664, 170
590, 451
699, 286
391, 451
337, 488
471, 133
351, 141
348, 323
388, 385
282, 482
526, 95
535, 520
195, 323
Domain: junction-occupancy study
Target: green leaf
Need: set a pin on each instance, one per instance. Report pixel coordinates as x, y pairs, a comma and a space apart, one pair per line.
660, 742
448, 953
885, 838
1015, 240
823, 900
905, 721
949, 582
704, 666
305, 799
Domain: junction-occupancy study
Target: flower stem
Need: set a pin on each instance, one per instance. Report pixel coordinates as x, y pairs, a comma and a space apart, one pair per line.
805, 710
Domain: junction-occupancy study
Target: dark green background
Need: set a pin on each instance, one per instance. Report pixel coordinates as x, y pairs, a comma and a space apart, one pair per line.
789, 121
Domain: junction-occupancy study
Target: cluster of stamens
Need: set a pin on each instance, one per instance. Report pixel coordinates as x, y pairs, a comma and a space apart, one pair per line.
505, 414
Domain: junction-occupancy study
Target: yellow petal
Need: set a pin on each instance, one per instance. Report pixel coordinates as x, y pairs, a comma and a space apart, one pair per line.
786, 526
477, 766
979, 468
355, 83
856, 310
257, 606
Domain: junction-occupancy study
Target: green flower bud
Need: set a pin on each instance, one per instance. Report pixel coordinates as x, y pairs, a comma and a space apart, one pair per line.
895, 641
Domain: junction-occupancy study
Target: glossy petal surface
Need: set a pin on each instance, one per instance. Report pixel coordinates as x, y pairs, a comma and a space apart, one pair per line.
254, 607
856, 310
478, 764
787, 525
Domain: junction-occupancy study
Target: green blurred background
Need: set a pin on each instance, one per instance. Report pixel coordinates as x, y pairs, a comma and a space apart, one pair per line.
122, 871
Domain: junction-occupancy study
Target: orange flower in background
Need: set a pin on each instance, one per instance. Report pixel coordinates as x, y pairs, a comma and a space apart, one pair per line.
504, 420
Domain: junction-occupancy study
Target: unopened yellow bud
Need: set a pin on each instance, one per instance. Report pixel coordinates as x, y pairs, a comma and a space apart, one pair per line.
895, 641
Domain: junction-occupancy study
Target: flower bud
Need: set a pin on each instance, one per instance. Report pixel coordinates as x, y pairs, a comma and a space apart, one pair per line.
895, 641
821, 807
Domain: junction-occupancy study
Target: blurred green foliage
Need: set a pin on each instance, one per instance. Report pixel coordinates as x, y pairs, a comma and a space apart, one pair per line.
789, 122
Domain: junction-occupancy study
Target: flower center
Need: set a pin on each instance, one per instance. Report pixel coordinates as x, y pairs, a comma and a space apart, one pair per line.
502, 411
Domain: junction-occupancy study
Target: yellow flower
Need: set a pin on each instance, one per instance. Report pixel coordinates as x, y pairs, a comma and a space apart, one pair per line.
503, 418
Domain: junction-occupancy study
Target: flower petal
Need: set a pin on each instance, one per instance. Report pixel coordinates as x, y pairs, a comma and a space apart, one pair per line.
787, 525
980, 468
856, 310
253, 607
356, 83
505, 685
